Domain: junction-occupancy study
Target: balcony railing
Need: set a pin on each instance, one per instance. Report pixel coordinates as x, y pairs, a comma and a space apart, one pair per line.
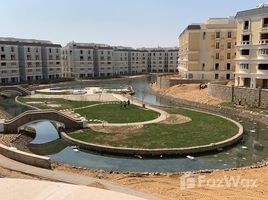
245, 42
263, 41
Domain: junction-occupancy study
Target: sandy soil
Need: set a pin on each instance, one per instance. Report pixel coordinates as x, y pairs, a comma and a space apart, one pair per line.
176, 119
168, 186
189, 92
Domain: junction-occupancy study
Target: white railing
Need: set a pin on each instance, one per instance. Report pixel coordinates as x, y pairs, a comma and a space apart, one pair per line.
263, 41
245, 42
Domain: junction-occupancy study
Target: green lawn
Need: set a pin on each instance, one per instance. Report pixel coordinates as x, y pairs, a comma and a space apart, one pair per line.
113, 113
203, 129
64, 104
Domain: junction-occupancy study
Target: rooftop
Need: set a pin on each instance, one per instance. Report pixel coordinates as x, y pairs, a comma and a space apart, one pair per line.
261, 9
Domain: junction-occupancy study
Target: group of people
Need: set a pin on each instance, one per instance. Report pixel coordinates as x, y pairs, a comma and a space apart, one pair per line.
124, 104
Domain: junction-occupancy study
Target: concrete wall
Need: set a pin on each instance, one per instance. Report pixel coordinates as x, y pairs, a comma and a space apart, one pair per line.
244, 96
28, 158
220, 91
164, 82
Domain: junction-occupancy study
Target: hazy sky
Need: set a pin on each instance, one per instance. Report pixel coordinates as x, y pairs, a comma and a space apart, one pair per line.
134, 23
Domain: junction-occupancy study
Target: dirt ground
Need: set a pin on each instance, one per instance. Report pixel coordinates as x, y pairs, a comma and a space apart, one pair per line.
168, 186
189, 92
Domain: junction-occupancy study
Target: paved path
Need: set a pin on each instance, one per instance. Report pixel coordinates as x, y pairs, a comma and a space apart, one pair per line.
67, 177
11, 189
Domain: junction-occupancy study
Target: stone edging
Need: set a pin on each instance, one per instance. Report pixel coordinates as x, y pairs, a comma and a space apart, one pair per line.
24, 104
158, 152
24, 157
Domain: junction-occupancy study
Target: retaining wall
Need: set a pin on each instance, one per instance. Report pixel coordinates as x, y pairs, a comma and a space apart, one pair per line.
243, 96
24, 157
164, 82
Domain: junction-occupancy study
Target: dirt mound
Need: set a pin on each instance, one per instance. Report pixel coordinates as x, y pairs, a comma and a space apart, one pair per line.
176, 119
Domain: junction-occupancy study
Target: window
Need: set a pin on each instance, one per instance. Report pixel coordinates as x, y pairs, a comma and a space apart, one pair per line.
3, 56
49, 50
190, 76
3, 64
217, 56
12, 49
228, 76
263, 66
2, 48
229, 45
204, 35
217, 66
228, 66
81, 57
263, 51
246, 25
28, 49
265, 23
229, 34
217, 45
228, 55
244, 66
216, 76
245, 52
245, 37
218, 34
81, 51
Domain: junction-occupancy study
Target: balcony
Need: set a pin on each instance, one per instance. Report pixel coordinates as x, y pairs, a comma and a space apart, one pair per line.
263, 41
245, 42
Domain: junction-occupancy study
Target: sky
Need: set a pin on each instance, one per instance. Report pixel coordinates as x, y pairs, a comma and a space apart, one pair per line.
134, 23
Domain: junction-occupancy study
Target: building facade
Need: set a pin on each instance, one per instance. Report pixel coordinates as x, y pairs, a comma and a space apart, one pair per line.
252, 48
88, 60
207, 50
28, 60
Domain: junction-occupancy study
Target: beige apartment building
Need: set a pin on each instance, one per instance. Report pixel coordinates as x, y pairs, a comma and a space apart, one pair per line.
90, 60
207, 50
252, 48
24, 60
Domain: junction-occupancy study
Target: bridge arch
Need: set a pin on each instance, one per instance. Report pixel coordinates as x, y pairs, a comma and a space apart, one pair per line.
12, 125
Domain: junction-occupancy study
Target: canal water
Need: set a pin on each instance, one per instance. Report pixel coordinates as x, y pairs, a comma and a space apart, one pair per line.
252, 149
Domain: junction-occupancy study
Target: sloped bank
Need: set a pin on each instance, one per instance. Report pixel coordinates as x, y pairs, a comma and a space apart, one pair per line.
160, 151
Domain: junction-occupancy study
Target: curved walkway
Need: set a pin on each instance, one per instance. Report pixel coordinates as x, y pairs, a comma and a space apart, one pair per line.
67, 177
163, 115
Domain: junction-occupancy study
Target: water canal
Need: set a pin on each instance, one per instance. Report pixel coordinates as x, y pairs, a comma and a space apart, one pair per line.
252, 149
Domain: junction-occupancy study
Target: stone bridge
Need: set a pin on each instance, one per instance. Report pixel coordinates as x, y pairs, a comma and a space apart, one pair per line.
16, 88
13, 125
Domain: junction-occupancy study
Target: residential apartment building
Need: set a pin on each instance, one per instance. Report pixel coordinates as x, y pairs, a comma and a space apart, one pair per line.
207, 50
88, 60
78, 60
121, 62
9, 62
252, 48
28, 60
